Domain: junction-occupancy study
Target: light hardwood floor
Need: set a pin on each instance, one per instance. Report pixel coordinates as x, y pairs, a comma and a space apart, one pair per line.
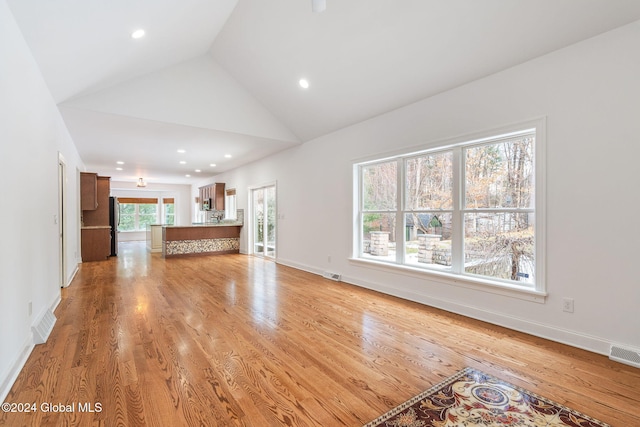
234, 340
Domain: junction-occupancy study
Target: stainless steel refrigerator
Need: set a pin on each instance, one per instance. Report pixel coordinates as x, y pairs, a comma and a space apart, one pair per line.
114, 221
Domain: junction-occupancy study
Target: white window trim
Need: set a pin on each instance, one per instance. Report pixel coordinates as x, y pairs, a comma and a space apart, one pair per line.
231, 205
535, 294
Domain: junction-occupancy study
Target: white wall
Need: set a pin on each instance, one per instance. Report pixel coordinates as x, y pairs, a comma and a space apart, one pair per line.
181, 194
590, 95
32, 137
206, 97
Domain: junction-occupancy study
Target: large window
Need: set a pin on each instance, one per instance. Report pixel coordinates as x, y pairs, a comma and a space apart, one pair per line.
137, 213
467, 209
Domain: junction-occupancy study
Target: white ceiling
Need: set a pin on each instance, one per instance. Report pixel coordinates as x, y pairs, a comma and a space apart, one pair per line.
220, 77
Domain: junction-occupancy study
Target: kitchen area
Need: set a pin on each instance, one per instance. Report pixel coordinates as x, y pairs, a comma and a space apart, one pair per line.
217, 232
117, 215
98, 231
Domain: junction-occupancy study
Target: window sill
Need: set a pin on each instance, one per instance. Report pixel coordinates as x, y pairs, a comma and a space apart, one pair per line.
468, 282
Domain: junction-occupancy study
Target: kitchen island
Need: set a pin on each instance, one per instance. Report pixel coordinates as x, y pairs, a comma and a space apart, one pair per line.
201, 239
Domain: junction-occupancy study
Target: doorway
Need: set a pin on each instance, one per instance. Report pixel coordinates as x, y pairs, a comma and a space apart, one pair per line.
263, 221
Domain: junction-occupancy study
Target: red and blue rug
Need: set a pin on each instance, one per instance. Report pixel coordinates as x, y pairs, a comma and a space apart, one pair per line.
473, 398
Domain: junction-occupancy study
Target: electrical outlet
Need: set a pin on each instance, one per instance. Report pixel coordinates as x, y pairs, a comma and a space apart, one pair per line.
30, 308
329, 258
567, 305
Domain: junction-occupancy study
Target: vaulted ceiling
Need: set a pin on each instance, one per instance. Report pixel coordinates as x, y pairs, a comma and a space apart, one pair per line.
218, 78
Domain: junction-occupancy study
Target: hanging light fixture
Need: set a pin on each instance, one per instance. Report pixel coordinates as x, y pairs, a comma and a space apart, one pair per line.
318, 6
141, 183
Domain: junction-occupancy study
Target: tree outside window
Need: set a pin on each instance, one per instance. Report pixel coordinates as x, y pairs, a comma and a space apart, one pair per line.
137, 213
147, 215
499, 212
127, 217
169, 214
169, 211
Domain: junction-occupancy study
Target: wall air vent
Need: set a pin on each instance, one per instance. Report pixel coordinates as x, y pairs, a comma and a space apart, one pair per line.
332, 276
43, 328
625, 355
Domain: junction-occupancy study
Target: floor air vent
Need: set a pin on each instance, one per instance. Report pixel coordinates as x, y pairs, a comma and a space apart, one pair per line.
43, 328
333, 276
624, 355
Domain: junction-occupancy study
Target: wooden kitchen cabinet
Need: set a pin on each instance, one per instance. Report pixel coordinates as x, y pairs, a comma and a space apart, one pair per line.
88, 191
217, 196
99, 215
96, 243
213, 193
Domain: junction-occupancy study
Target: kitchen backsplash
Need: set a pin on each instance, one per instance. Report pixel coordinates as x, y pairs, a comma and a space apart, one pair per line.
212, 216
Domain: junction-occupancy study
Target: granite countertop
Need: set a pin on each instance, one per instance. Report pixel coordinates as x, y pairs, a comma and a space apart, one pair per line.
222, 223
94, 227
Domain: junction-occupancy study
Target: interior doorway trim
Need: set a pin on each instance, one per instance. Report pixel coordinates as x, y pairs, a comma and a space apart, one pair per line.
61, 219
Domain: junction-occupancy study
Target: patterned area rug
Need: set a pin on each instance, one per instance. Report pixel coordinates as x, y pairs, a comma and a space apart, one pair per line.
472, 398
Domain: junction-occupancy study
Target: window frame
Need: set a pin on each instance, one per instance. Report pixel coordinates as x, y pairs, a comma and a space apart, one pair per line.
456, 275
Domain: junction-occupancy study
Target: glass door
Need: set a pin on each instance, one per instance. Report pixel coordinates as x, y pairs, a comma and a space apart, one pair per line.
264, 221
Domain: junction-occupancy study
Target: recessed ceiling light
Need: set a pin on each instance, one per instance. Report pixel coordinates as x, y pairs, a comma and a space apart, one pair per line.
118, 169
181, 151
228, 156
182, 162
188, 176
304, 83
120, 163
198, 170
213, 165
318, 6
137, 34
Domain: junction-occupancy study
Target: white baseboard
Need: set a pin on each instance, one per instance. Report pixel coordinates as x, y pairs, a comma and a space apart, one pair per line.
73, 275
55, 302
27, 347
298, 266
14, 371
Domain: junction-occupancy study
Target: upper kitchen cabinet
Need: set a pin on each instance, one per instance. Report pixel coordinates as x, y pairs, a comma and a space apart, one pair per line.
212, 197
100, 214
88, 191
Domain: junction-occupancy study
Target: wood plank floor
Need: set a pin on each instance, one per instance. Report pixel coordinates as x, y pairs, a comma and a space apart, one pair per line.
235, 340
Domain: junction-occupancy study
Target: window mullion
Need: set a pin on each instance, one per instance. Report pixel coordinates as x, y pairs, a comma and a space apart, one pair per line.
400, 198
457, 218
360, 212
